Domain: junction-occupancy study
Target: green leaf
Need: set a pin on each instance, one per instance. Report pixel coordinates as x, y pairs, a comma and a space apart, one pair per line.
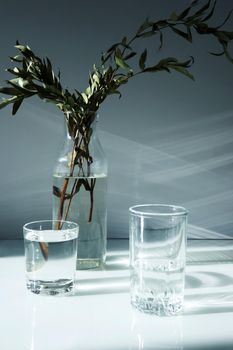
226, 19
228, 56
161, 40
122, 80
85, 98
85, 184
162, 23
217, 53
211, 13
78, 186
168, 60
202, 28
49, 64
187, 63
6, 102
223, 36
19, 73
142, 59
17, 58
56, 191
155, 68
18, 87
9, 91
21, 47
186, 36
124, 41
119, 60
173, 16
96, 78
115, 92
16, 105
146, 24
189, 33
26, 51
147, 34
118, 53
194, 3
184, 71
203, 9
130, 55
184, 13
78, 93
112, 48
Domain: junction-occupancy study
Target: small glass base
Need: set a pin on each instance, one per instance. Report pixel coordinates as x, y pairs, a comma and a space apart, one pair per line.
159, 308
86, 264
58, 287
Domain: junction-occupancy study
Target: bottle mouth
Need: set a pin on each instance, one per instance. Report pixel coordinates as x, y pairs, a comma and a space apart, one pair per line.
41, 225
158, 210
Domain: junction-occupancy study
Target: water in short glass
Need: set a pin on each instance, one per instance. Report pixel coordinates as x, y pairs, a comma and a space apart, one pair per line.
157, 258
50, 256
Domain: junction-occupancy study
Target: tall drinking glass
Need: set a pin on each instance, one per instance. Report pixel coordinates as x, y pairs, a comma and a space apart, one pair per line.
157, 258
50, 256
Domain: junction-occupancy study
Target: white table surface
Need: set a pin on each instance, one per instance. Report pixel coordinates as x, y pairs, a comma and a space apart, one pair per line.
99, 315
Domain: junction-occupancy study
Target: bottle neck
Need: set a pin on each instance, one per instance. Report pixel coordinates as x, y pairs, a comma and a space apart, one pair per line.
93, 127
82, 156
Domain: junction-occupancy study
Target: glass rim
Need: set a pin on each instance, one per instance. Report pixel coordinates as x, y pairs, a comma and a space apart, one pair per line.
73, 224
178, 210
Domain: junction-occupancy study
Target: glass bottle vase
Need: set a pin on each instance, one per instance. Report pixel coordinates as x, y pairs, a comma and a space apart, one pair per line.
79, 195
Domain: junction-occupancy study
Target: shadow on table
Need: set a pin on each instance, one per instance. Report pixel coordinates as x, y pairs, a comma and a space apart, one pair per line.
209, 251
205, 291
117, 261
211, 303
118, 264
210, 347
208, 292
106, 285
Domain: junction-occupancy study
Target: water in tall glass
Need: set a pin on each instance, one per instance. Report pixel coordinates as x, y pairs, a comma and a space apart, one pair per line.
157, 286
157, 258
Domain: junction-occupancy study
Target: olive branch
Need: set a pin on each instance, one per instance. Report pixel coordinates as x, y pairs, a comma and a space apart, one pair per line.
35, 76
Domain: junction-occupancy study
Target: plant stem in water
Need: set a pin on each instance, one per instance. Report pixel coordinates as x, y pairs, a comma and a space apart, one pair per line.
93, 181
70, 200
44, 250
62, 200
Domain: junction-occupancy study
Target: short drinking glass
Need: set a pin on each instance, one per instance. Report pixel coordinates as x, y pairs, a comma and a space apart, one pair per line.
157, 258
50, 256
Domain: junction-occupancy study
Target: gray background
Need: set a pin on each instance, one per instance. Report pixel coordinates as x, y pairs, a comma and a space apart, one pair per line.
168, 140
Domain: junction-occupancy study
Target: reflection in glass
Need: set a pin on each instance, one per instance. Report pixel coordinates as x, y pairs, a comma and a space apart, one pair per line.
151, 332
51, 324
